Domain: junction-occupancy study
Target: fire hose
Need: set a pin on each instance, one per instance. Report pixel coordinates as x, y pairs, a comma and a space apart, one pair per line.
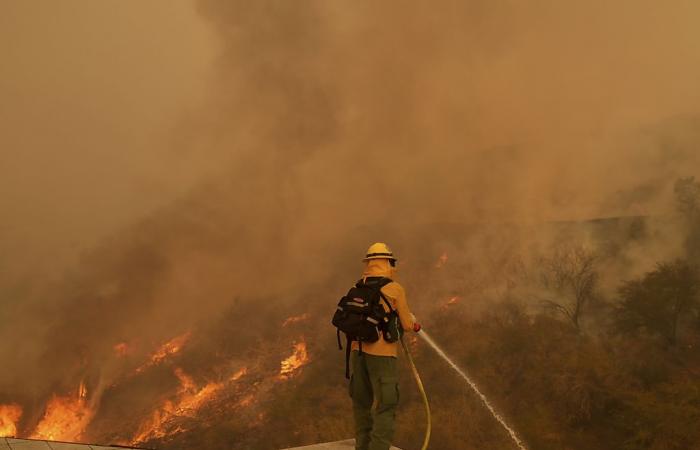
426, 439
417, 328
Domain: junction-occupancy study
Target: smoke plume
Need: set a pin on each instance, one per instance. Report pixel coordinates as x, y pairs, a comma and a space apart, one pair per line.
309, 130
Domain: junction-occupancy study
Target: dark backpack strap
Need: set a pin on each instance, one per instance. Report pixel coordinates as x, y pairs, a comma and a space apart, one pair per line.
379, 282
347, 358
386, 300
383, 282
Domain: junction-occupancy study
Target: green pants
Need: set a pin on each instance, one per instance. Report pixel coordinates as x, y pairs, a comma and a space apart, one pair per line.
374, 388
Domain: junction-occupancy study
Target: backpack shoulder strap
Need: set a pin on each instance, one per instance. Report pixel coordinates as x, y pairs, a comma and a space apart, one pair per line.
375, 282
383, 281
386, 300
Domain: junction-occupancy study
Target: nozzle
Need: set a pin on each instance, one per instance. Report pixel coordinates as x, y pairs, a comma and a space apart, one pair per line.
416, 327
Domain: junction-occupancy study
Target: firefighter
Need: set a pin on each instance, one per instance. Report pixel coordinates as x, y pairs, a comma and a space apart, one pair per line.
374, 382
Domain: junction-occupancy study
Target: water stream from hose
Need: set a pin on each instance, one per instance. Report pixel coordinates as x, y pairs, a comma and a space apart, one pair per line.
426, 337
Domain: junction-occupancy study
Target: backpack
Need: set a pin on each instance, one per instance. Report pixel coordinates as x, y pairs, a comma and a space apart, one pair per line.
361, 316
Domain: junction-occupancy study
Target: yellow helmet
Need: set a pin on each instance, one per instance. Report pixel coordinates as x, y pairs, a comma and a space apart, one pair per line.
379, 250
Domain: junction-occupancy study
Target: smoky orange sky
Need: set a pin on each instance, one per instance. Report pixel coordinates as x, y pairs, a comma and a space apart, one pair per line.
91, 93
283, 128
478, 109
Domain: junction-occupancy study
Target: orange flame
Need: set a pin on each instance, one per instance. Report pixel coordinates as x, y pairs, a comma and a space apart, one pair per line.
298, 359
66, 418
171, 347
236, 376
451, 301
442, 260
295, 319
153, 428
189, 399
9, 416
121, 349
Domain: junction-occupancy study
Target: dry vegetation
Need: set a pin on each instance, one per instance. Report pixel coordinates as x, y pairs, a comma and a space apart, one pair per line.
574, 354
623, 376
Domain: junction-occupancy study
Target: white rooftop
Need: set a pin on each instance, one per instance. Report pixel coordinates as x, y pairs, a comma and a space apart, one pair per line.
31, 444
338, 445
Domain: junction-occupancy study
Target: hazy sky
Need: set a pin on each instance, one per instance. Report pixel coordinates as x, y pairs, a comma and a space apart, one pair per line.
91, 93
559, 110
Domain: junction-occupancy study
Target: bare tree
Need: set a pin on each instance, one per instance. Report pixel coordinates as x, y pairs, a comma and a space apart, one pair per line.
570, 279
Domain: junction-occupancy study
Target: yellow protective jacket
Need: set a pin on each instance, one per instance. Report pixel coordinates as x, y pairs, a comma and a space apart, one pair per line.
396, 295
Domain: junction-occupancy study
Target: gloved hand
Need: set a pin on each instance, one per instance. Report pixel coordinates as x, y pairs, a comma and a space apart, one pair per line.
416, 325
